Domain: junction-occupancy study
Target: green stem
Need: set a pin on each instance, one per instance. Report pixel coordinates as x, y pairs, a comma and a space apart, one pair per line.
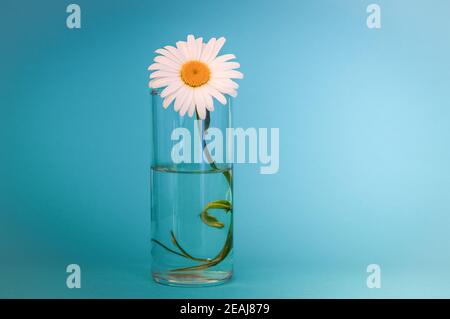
207, 218
216, 260
184, 252
229, 241
167, 248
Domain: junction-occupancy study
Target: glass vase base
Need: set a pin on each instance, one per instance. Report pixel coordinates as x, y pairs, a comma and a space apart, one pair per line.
192, 279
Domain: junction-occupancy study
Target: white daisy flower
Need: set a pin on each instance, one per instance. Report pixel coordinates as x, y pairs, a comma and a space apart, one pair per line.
193, 75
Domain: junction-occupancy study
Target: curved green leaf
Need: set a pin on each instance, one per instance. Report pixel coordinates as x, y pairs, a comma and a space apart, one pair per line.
211, 220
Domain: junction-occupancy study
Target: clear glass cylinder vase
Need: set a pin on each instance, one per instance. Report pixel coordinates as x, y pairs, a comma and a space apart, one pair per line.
191, 196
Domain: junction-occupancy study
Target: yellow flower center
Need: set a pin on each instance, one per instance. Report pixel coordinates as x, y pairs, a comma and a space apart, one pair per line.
195, 73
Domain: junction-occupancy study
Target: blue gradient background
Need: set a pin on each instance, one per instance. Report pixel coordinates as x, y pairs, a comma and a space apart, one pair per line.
364, 146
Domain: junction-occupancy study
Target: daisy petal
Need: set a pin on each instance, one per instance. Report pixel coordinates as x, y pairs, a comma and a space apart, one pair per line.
161, 82
224, 58
166, 61
206, 52
168, 55
188, 101
169, 99
191, 108
201, 105
224, 66
162, 74
201, 110
225, 83
171, 88
159, 66
233, 93
223, 89
175, 52
182, 93
182, 48
230, 74
199, 43
219, 44
208, 100
230, 83
216, 94
192, 46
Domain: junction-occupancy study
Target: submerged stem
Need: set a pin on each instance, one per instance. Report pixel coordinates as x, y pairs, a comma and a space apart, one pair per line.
167, 248
220, 256
226, 205
206, 218
184, 252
